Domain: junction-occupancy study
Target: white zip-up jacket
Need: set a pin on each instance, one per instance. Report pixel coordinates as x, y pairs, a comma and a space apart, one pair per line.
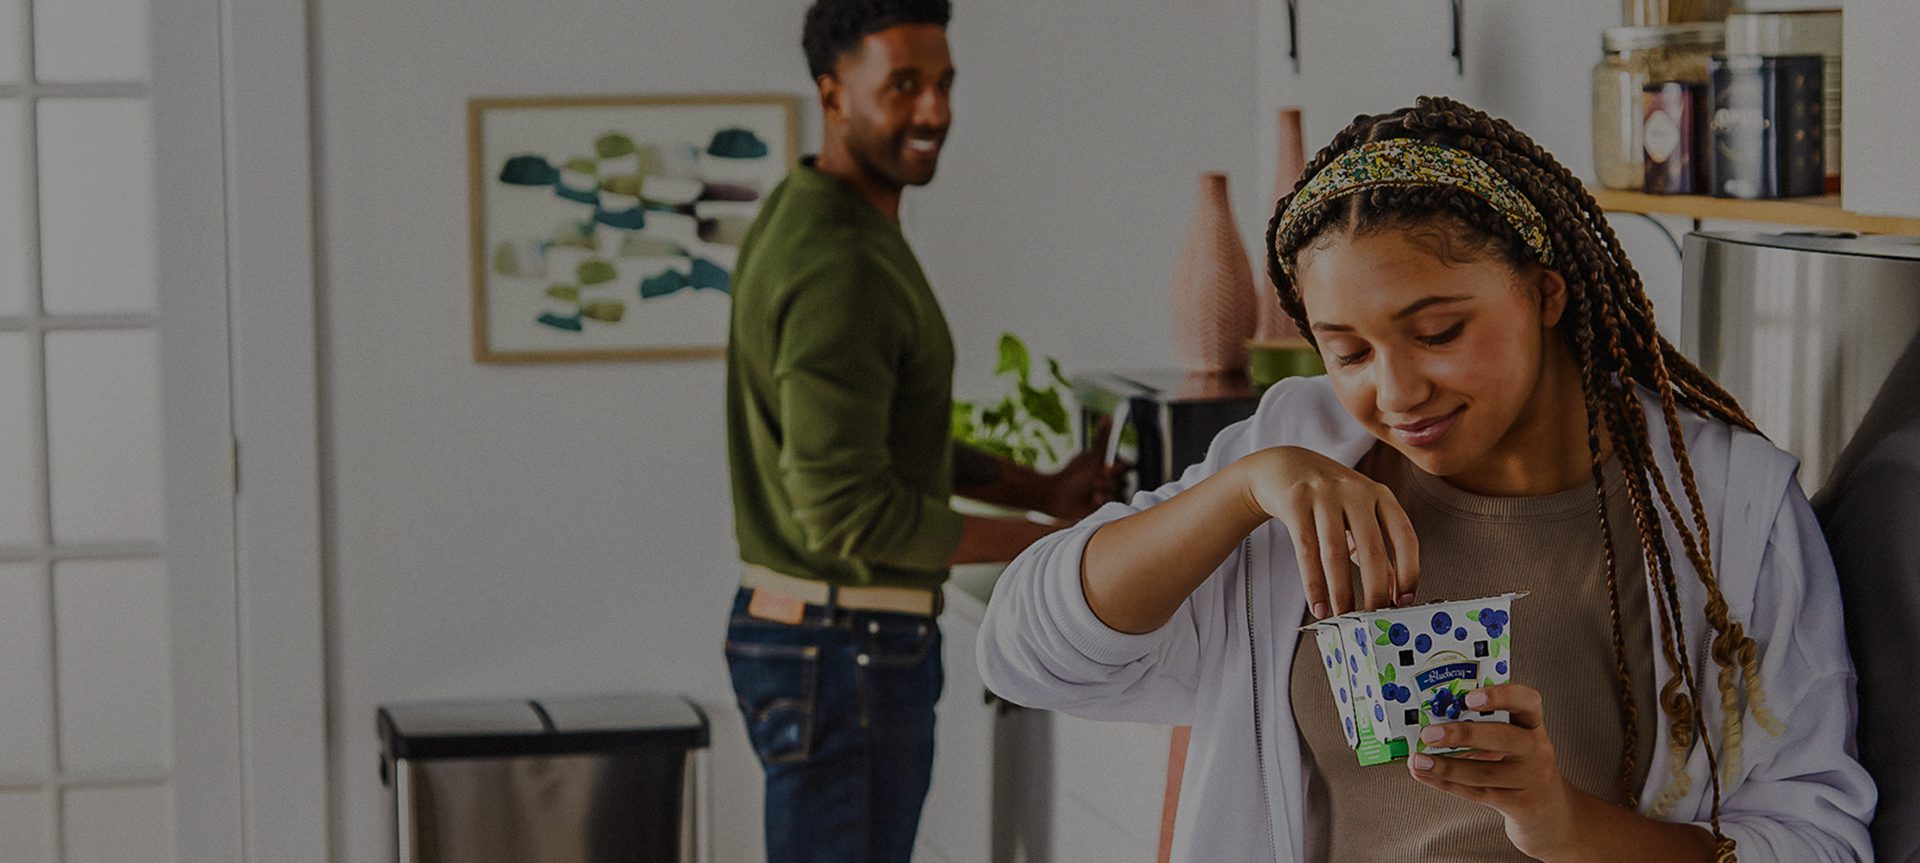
1799, 797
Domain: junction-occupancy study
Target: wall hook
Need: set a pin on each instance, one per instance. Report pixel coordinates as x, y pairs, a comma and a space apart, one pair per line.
1293, 34
1459, 50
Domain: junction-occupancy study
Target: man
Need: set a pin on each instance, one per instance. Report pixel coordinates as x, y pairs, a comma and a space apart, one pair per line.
839, 395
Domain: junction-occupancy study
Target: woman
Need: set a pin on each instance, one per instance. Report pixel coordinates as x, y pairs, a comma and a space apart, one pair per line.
1499, 413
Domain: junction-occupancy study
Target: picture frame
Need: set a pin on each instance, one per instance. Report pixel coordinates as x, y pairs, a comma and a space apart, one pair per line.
607, 228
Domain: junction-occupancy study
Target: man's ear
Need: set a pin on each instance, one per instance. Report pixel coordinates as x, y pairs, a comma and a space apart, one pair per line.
1552, 290
831, 94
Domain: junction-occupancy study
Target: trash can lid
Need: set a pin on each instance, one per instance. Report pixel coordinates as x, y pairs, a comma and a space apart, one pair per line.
553, 726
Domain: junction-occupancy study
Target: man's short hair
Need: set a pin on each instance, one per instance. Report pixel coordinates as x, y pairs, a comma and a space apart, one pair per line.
835, 27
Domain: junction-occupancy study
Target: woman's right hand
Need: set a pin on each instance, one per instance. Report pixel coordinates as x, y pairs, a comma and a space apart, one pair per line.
1338, 517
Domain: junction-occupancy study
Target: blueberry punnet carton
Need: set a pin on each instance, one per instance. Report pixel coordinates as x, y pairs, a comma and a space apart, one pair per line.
1395, 671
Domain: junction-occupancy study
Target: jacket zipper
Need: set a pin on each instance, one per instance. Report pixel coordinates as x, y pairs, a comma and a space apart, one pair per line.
1253, 657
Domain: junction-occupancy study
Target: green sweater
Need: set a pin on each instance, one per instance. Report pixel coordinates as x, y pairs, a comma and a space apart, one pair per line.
839, 395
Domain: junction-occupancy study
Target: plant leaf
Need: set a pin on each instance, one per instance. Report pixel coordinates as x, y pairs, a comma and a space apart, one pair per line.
962, 427
1014, 357
1053, 368
1045, 406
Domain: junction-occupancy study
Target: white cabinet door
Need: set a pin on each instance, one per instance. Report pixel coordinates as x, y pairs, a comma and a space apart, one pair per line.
957, 824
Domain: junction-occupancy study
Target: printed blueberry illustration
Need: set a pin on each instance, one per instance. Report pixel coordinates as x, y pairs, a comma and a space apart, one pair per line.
1398, 634
1424, 643
1442, 622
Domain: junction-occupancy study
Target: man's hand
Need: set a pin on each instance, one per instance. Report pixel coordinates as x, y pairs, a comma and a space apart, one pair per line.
1083, 486
1086, 482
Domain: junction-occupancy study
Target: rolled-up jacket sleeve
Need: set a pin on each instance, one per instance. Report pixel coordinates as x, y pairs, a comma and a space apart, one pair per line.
840, 341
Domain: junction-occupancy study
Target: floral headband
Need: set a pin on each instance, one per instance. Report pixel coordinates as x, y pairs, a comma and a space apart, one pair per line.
1407, 163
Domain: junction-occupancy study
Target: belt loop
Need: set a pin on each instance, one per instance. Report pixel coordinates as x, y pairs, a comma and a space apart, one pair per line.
833, 602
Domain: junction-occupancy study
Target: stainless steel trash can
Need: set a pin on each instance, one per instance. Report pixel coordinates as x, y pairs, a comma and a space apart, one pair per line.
613, 779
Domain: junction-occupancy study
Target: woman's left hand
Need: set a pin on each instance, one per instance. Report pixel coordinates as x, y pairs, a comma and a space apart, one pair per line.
1512, 769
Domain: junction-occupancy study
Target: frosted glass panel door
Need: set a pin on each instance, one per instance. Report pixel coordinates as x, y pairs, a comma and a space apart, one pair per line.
86, 752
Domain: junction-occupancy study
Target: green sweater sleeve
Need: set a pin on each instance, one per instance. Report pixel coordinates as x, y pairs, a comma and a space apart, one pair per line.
839, 341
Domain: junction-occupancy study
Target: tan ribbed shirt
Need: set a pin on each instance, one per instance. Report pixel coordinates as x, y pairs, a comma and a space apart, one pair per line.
1473, 546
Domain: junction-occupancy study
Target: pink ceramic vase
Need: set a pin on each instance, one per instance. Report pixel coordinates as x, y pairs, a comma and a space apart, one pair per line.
1271, 323
1213, 312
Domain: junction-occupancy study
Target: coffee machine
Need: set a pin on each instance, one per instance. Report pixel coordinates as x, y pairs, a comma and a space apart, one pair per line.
1163, 421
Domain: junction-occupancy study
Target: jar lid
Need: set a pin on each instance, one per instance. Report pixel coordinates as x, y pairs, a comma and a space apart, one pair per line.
1774, 34
1704, 35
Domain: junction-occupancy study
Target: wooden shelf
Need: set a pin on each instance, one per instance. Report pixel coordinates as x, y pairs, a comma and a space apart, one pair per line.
1822, 212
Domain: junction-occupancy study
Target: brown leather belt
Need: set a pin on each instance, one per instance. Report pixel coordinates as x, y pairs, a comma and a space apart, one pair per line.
920, 601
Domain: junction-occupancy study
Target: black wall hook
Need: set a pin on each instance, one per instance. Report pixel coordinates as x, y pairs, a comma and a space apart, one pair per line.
1459, 48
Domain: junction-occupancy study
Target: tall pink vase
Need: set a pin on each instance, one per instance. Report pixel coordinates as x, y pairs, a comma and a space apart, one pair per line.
1213, 312
1271, 322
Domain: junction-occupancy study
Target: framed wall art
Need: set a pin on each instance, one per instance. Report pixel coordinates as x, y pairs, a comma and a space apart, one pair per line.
607, 228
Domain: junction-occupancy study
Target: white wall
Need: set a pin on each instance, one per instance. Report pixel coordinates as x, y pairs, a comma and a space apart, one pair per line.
1081, 129
1527, 61
521, 531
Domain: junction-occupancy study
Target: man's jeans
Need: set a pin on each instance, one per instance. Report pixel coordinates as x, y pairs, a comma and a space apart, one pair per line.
839, 709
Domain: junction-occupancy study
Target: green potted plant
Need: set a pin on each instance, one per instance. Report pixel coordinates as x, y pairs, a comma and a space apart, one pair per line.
1030, 422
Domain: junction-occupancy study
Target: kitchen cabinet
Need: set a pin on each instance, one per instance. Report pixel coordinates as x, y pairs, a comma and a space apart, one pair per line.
957, 824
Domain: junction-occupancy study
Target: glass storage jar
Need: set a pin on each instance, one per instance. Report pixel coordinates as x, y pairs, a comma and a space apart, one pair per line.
1635, 57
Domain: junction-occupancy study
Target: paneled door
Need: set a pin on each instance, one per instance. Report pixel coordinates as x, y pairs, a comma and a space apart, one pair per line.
85, 680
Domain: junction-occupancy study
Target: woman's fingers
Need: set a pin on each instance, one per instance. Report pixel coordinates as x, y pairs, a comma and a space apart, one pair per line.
1521, 702
1306, 553
1340, 522
1330, 529
1405, 546
1484, 775
1498, 738
1370, 552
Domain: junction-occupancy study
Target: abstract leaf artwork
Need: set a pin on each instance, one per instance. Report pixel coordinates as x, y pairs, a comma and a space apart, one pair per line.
609, 228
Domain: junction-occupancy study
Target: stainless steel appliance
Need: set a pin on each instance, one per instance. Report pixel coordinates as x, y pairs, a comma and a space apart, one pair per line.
611, 779
1172, 417
1802, 328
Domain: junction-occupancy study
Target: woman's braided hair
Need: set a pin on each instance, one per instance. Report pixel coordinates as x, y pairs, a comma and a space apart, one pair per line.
1609, 325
